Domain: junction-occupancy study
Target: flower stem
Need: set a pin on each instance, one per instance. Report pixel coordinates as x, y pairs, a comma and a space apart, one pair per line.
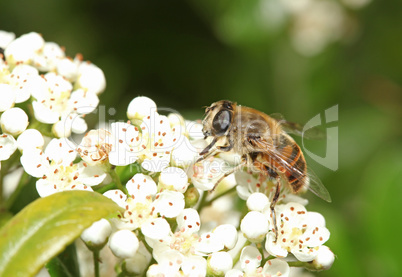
205, 203
116, 180
220, 195
5, 168
24, 180
96, 262
202, 201
237, 257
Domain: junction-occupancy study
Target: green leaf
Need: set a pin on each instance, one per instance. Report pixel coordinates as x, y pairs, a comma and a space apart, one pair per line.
56, 268
65, 264
45, 227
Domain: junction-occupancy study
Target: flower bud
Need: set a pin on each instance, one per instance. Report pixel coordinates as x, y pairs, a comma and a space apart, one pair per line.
6, 38
67, 68
91, 78
14, 121
140, 107
219, 263
95, 237
324, 260
254, 226
191, 197
124, 244
257, 202
228, 235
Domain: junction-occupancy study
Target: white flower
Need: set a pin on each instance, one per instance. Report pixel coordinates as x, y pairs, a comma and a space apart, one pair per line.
95, 147
126, 144
299, 232
191, 266
141, 211
184, 248
139, 207
169, 203
248, 184
141, 186
8, 145
316, 25
24, 48
255, 226
57, 103
140, 107
227, 233
194, 130
124, 244
257, 202
48, 57
30, 139
220, 263
90, 78
184, 154
117, 196
53, 101
166, 269
324, 259
158, 141
25, 80
6, 38
250, 261
205, 174
7, 97
56, 170
97, 234
68, 68
173, 178
14, 121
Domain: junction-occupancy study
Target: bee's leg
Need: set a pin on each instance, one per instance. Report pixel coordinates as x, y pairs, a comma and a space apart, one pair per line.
233, 170
204, 153
273, 203
211, 153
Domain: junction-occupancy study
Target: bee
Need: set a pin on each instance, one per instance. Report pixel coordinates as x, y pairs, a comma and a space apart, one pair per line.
264, 146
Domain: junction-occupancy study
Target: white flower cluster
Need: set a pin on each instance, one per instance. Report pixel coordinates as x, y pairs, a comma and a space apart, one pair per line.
170, 226
315, 23
167, 230
60, 90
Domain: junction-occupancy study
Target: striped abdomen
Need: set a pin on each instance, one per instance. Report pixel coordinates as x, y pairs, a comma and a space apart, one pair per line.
287, 159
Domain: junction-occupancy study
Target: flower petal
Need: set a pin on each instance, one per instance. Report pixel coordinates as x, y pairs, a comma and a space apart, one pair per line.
276, 267
141, 186
8, 145
189, 221
61, 151
169, 203
156, 229
250, 259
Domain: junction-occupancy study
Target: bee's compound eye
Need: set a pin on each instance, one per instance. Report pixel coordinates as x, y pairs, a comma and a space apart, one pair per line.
221, 122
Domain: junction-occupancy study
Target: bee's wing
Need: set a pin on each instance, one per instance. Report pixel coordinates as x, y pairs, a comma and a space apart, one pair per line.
315, 186
312, 182
298, 129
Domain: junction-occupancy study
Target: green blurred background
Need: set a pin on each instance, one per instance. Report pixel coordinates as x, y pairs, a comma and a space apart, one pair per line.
295, 57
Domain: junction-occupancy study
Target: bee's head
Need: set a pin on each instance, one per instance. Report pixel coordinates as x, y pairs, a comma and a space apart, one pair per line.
218, 118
